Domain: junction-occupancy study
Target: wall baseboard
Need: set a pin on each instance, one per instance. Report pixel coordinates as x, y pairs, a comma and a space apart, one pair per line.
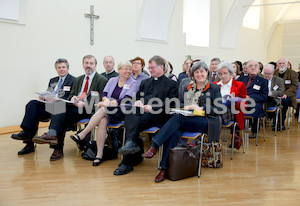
17, 128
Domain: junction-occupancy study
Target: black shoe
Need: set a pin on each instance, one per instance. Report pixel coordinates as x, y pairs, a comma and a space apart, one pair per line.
123, 169
27, 149
21, 136
130, 147
99, 161
252, 136
230, 146
278, 128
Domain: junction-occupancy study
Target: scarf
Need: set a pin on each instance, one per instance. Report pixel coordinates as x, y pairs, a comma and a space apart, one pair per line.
193, 95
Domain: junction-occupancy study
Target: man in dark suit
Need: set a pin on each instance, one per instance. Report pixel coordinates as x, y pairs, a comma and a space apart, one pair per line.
109, 63
213, 74
290, 79
86, 92
157, 87
59, 86
275, 87
185, 67
257, 89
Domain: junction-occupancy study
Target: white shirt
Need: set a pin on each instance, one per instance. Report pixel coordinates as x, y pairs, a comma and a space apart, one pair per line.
91, 76
225, 88
55, 88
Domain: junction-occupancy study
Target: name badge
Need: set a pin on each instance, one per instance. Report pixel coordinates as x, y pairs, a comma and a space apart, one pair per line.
257, 87
67, 88
287, 81
275, 87
94, 93
126, 86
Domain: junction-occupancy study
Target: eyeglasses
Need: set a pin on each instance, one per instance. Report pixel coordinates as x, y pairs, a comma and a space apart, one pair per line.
267, 73
253, 66
151, 68
224, 73
137, 63
126, 69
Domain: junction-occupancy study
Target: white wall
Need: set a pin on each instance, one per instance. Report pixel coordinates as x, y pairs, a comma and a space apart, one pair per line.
55, 28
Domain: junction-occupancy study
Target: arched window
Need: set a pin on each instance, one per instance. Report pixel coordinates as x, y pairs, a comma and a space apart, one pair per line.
196, 21
251, 19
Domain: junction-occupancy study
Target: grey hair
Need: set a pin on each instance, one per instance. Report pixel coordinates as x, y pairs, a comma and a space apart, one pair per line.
253, 61
61, 60
272, 67
198, 65
124, 63
215, 59
286, 59
226, 65
88, 57
109, 56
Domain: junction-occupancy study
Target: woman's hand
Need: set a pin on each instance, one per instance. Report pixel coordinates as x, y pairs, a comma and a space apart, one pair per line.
193, 106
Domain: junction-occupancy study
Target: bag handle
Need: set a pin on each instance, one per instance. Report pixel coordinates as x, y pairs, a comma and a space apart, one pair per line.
213, 148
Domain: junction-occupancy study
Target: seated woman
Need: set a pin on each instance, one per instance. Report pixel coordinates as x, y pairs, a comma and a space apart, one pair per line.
201, 95
233, 88
138, 65
116, 89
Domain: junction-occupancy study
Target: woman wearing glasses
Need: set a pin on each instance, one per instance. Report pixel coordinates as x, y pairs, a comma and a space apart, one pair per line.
116, 89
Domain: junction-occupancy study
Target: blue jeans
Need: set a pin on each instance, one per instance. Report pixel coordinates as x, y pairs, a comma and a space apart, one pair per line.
171, 132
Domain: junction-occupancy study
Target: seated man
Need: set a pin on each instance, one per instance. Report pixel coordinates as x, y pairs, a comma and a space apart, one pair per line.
109, 63
290, 79
213, 74
60, 86
85, 92
275, 87
257, 89
153, 90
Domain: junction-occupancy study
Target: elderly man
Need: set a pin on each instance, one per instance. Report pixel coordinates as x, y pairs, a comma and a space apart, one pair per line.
109, 63
86, 91
156, 89
213, 74
275, 87
290, 79
59, 86
257, 89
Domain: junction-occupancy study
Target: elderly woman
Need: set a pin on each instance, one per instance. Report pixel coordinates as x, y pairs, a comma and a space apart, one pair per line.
201, 95
229, 86
138, 65
116, 89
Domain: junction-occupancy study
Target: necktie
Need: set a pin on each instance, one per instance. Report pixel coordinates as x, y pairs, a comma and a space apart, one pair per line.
213, 77
58, 87
85, 90
249, 81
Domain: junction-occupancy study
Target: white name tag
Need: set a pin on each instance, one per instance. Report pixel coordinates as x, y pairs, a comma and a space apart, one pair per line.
257, 87
287, 81
94, 93
67, 88
275, 87
126, 86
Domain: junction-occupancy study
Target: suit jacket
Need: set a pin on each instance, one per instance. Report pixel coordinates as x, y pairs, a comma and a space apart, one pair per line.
258, 91
239, 90
96, 87
65, 90
217, 78
290, 79
181, 76
129, 90
277, 92
110, 75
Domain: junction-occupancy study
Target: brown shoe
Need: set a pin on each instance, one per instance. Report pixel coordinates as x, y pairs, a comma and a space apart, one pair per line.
150, 153
161, 176
45, 139
56, 155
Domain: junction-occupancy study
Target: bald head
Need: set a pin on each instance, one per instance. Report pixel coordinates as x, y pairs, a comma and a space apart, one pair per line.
282, 64
268, 71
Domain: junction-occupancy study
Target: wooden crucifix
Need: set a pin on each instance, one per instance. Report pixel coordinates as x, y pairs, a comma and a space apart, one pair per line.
92, 16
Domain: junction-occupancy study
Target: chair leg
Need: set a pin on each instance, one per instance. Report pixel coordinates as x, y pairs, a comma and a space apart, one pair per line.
280, 119
289, 116
200, 160
160, 153
264, 126
276, 120
232, 143
243, 140
257, 131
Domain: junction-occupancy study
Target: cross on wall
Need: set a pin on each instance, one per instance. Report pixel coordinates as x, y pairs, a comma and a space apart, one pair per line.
92, 16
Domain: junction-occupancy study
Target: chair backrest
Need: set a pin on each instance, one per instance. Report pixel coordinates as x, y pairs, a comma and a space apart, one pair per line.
298, 91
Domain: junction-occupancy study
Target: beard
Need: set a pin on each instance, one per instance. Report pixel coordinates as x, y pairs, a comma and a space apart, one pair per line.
282, 69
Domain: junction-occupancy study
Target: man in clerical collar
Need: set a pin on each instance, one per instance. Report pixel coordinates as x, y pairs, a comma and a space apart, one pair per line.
290, 79
275, 88
213, 74
156, 89
109, 63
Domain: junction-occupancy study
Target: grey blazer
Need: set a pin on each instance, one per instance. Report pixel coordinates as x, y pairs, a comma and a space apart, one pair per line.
277, 88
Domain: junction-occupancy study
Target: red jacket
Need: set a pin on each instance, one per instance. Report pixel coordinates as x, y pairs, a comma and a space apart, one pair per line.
239, 89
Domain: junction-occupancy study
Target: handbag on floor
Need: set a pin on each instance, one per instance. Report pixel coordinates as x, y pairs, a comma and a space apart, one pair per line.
212, 154
183, 162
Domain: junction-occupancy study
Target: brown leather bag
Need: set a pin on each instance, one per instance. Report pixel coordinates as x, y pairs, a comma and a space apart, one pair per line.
183, 162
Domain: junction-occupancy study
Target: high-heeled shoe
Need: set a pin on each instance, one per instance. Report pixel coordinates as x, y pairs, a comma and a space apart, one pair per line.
76, 138
98, 162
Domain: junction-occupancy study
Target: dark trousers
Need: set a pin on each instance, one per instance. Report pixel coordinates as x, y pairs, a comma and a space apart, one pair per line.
34, 113
171, 132
134, 124
285, 104
60, 122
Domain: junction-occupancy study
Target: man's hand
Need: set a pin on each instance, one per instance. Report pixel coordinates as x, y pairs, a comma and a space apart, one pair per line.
75, 99
139, 103
147, 108
80, 104
284, 96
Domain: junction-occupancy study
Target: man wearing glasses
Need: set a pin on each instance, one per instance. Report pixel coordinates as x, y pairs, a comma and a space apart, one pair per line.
150, 112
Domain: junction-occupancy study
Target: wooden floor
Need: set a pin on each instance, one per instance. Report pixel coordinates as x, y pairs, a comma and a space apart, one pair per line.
268, 174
